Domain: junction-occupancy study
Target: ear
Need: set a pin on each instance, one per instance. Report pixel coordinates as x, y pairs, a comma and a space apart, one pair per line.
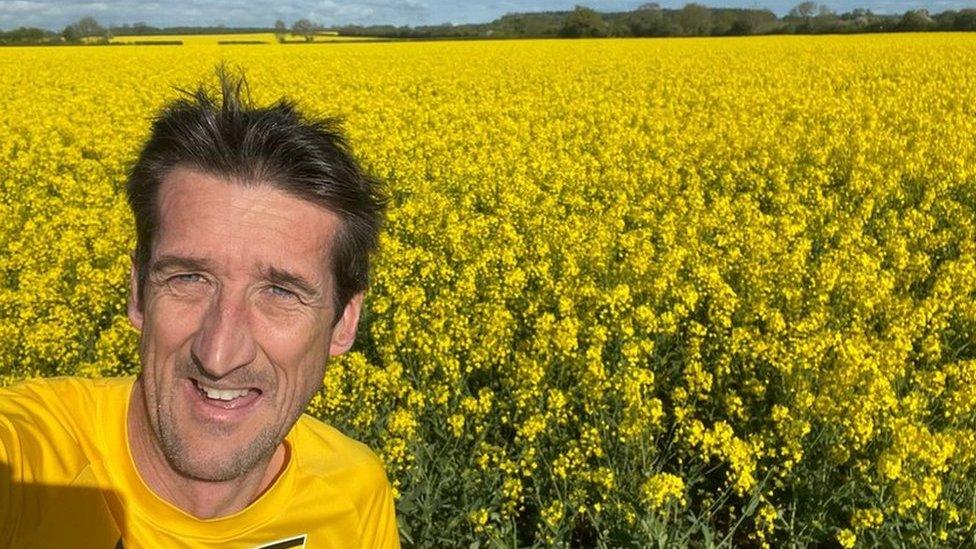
344, 331
134, 307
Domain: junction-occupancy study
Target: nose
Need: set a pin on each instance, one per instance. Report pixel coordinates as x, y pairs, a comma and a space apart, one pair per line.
224, 341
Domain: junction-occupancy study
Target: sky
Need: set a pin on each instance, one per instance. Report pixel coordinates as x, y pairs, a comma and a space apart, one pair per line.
54, 15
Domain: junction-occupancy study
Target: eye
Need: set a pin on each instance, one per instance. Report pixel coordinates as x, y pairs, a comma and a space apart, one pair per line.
187, 278
186, 285
282, 293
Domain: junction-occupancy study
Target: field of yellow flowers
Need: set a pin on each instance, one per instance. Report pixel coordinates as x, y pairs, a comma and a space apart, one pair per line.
631, 292
228, 39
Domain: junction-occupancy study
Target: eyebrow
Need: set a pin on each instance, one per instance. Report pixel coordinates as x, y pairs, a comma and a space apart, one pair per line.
176, 262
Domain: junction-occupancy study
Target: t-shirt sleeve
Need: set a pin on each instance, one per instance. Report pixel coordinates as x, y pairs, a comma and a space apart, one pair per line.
35, 450
7, 511
20, 436
377, 512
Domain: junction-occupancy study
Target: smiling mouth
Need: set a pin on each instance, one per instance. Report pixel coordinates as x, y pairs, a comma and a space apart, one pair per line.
227, 399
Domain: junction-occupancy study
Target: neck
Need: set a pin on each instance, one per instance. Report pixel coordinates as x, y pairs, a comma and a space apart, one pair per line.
203, 499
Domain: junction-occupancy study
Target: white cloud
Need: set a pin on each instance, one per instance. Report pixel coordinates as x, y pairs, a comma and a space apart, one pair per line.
20, 6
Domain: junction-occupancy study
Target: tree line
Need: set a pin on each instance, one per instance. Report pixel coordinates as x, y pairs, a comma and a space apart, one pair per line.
89, 30
647, 20
691, 20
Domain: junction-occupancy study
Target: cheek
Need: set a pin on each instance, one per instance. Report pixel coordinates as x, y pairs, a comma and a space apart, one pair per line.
298, 353
167, 329
290, 334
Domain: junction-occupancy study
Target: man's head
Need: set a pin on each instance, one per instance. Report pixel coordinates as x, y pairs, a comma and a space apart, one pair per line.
226, 137
254, 233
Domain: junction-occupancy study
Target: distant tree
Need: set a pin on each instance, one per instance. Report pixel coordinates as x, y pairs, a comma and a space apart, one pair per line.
281, 29
945, 19
86, 27
543, 24
618, 27
583, 21
305, 28
916, 20
826, 20
141, 28
801, 17
70, 34
803, 10
25, 35
751, 21
741, 27
648, 20
695, 20
966, 20
857, 15
512, 24
951, 20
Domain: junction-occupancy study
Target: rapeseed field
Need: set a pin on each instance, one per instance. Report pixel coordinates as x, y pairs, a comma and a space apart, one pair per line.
257, 38
630, 293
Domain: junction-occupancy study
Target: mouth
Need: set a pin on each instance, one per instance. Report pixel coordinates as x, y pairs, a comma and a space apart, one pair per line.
220, 398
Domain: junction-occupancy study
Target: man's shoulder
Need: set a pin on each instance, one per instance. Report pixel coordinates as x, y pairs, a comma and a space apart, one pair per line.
71, 383
331, 463
55, 408
325, 452
55, 394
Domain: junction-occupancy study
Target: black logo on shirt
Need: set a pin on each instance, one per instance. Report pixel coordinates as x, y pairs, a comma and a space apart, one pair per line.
297, 541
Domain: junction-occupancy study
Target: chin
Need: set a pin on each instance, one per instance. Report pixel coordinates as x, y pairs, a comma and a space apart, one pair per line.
198, 459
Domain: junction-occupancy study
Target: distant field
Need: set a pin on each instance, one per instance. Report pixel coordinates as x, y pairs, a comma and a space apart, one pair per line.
216, 39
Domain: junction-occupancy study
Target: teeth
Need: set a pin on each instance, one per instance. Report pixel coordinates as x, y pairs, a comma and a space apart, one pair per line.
222, 394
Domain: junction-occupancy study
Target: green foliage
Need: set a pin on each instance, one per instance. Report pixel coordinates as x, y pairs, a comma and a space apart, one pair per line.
281, 29
915, 21
27, 35
86, 27
306, 28
583, 22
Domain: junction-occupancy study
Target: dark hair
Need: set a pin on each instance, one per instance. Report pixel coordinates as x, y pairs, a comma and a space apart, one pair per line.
306, 157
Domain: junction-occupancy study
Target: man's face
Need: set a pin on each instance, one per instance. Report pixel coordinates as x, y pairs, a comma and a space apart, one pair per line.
236, 320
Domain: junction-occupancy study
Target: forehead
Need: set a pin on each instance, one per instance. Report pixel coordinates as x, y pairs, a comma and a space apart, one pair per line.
242, 225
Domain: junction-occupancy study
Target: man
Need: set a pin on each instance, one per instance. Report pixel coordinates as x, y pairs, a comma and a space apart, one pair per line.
254, 229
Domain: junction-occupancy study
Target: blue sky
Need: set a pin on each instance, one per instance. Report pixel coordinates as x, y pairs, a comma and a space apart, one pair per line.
56, 14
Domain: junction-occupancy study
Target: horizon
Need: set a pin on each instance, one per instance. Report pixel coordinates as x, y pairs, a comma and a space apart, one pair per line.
54, 16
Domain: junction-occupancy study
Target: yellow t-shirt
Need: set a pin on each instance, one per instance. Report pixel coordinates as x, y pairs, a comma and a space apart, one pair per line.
67, 479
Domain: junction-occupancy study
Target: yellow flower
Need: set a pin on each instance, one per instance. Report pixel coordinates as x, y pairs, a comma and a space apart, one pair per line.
846, 538
661, 489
